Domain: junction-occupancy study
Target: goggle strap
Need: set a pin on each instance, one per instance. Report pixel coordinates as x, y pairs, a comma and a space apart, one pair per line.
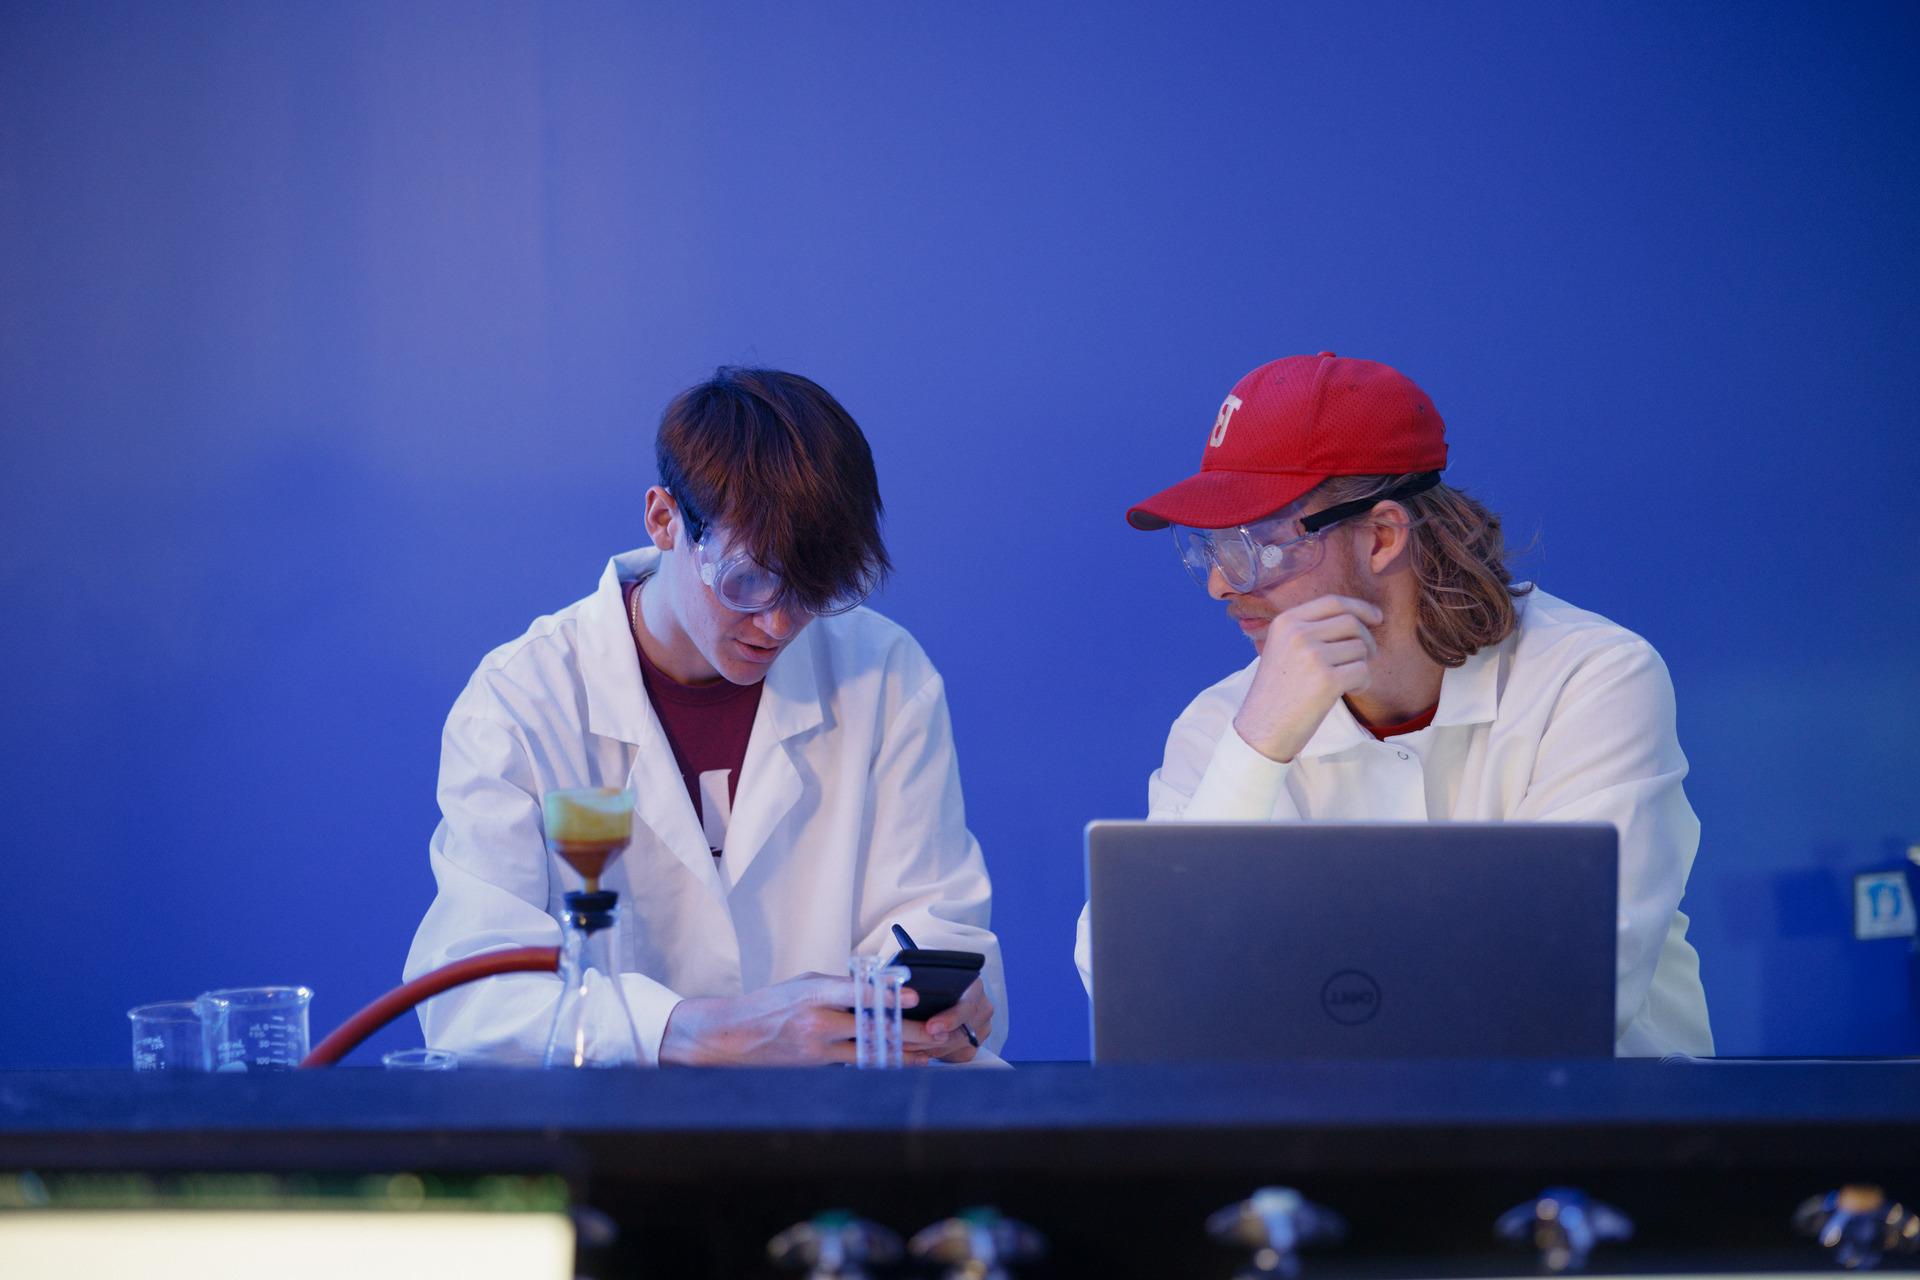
1340, 511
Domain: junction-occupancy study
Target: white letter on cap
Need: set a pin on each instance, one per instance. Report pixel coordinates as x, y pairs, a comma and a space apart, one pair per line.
1219, 435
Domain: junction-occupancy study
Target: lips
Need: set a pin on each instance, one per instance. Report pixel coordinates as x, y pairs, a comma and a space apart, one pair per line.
757, 653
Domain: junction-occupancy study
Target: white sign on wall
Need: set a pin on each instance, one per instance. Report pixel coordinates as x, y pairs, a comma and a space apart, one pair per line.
1882, 905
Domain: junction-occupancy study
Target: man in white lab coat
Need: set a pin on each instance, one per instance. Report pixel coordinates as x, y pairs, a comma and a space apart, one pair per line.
1401, 675
791, 754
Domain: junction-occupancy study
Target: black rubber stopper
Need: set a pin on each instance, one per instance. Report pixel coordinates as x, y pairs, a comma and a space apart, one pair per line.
592, 911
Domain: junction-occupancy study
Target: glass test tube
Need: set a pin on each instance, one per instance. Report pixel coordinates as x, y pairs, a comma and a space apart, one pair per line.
877, 1037
891, 981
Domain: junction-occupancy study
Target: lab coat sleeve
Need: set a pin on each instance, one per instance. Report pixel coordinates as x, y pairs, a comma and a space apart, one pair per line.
489, 860
922, 868
1208, 773
1611, 753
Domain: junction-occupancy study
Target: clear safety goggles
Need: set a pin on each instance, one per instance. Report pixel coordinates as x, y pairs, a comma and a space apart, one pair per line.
744, 585
1262, 555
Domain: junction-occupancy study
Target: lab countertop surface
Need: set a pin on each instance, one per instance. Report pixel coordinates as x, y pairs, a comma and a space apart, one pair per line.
1483, 1114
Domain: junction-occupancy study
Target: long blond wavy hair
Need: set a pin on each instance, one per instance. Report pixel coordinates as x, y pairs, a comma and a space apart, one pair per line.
1467, 592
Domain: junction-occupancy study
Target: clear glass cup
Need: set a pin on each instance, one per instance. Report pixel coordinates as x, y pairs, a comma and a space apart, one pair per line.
255, 1028
420, 1060
168, 1036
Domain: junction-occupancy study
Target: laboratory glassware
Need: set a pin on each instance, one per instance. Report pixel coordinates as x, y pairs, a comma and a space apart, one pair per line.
419, 1060
592, 1026
167, 1036
255, 1028
877, 1035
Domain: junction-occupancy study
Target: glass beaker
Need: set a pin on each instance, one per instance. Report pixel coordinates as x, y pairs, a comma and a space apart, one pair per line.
168, 1036
255, 1028
878, 1040
592, 1027
419, 1060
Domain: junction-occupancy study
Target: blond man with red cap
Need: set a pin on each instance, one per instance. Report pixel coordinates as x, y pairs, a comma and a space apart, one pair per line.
1400, 674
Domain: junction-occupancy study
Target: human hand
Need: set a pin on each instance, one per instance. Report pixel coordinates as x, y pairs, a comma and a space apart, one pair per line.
1312, 655
804, 1021
940, 1036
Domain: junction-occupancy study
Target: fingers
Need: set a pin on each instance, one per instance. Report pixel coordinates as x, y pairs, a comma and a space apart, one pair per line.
1321, 607
837, 993
829, 1026
974, 1009
920, 1035
820, 988
1341, 652
962, 1052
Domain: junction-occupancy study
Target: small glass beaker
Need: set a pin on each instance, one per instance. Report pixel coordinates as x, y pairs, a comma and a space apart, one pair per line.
419, 1060
878, 1039
168, 1036
255, 1028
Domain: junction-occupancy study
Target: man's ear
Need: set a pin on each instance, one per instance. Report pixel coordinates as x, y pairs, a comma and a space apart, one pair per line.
1392, 537
662, 518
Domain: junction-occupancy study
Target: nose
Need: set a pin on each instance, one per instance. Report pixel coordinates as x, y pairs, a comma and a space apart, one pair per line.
778, 622
1217, 584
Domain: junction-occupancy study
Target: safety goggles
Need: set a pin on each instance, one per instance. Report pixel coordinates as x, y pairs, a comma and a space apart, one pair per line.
741, 583
1259, 557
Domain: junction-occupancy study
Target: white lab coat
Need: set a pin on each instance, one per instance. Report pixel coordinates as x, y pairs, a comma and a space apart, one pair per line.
847, 819
1570, 719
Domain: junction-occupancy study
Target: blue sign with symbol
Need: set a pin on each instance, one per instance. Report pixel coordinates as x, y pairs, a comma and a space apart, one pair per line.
1882, 905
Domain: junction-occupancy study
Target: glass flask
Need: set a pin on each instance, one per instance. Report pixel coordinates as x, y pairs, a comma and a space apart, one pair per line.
593, 1027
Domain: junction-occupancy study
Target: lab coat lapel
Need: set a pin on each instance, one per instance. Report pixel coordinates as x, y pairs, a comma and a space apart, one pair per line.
769, 781
665, 808
618, 708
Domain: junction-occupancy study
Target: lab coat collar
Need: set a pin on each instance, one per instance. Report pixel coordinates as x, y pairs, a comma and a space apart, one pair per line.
618, 707
1469, 694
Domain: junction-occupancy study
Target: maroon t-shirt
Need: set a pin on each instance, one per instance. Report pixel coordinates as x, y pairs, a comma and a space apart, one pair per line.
707, 726
1385, 731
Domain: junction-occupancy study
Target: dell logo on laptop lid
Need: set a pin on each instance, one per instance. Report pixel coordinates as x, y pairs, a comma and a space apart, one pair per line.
1351, 997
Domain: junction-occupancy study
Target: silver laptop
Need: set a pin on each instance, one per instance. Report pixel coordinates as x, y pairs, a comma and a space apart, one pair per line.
1268, 941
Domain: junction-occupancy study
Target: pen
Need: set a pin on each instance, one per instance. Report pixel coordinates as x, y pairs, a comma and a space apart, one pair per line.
906, 944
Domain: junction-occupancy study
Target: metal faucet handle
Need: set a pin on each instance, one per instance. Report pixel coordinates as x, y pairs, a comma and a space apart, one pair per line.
976, 1244
833, 1245
1564, 1225
1860, 1224
1276, 1223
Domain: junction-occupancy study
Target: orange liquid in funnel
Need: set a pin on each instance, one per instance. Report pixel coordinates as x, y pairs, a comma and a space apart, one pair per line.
588, 827
589, 857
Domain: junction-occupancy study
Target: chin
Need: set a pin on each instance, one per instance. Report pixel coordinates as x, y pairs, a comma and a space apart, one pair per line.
734, 671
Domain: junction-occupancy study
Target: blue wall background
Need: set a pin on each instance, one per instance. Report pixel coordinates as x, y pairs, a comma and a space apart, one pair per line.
332, 339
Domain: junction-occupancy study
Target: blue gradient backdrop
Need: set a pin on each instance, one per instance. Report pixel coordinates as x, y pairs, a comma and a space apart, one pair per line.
332, 338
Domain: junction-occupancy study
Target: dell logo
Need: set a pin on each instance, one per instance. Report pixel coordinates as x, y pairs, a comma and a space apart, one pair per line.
1351, 997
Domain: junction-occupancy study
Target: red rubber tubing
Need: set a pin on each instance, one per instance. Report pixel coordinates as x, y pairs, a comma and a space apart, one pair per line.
350, 1033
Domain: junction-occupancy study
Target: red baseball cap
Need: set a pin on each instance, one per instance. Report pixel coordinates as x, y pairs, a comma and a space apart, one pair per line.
1289, 425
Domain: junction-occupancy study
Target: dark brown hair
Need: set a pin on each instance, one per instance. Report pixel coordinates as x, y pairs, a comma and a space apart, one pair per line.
775, 459
1459, 560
